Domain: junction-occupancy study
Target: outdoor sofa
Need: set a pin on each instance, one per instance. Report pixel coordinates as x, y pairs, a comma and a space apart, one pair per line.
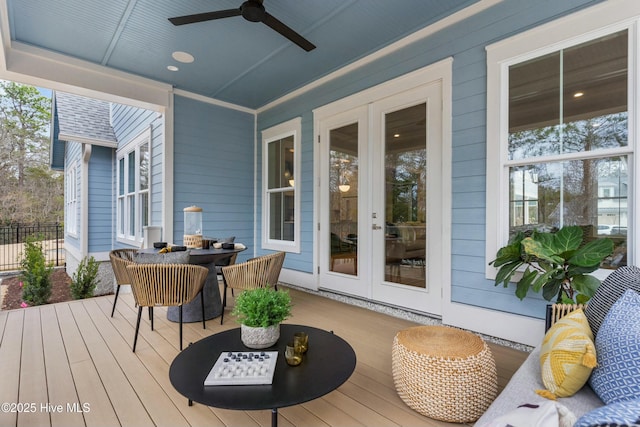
617, 381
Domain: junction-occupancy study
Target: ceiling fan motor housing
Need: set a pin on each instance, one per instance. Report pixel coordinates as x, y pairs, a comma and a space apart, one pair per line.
253, 11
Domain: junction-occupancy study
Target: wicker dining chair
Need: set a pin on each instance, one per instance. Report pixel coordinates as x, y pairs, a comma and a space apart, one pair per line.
166, 285
120, 258
255, 273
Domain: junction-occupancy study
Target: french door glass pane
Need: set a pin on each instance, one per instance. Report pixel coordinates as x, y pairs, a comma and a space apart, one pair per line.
405, 196
591, 193
343, 199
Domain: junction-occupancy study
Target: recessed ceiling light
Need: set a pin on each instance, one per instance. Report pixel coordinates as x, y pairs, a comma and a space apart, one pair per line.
183, 57
396, 135
578, 94
172, 68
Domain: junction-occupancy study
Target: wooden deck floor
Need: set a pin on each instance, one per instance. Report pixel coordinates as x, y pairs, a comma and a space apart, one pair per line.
71, 364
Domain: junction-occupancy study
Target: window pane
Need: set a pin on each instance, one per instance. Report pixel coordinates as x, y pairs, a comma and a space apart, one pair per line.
144, 166
121, 216
144, 211
281, 171
131, 178
281, 215
132, 215
590, 193
121, 177
574, 100
275, 216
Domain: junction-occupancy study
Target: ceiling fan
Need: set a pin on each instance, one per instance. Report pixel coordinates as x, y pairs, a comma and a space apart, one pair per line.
251, 10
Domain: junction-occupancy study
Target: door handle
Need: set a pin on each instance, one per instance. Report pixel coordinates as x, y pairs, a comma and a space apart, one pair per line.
376, 227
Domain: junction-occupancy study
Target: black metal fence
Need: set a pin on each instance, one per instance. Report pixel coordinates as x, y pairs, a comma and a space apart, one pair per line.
13, 236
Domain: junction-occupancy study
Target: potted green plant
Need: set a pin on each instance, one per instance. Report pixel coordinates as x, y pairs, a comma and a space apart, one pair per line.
558, 263
260, 312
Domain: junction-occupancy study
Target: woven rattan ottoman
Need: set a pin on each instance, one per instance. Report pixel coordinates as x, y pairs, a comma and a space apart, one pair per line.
444, 373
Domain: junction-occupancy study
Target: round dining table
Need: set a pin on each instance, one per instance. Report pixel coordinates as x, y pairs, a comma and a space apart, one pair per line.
192, 311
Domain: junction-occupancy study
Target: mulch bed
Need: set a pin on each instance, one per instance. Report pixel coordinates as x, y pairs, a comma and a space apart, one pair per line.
60, 290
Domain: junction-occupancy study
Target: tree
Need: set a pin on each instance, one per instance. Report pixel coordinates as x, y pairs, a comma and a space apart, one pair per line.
32, 192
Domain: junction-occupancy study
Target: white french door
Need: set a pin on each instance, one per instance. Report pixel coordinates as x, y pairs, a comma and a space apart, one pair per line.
344, 237
406, 260
380, 200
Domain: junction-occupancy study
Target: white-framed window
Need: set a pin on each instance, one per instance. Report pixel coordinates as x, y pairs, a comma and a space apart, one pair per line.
560, 132
71, 217
133, 184
281, 186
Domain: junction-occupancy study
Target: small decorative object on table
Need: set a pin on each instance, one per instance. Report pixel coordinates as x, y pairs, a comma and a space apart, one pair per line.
293, 354
260, 312
192, 227
301, 340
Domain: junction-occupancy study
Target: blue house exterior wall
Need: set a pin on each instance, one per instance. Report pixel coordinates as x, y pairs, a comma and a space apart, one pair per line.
101, 196
465, 42
214, 169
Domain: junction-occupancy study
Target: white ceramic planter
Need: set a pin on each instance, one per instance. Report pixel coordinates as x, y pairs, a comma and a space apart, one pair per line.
259, 337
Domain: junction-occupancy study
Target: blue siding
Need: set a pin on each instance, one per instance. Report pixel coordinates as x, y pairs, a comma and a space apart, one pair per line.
128, 122
101, 197
214, 169
465, 42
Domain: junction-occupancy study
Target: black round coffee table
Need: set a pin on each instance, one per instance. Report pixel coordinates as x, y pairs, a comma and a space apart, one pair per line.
327, 364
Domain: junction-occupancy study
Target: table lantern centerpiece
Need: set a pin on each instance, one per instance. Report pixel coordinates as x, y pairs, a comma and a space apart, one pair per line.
192, 227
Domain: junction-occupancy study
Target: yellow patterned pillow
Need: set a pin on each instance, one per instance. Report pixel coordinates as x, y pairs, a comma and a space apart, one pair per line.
567, 356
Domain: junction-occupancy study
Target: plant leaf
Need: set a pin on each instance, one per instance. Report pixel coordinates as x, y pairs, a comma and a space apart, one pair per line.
506, 272
507, 254
567, 239
585, 284
592, 253
551, 289
541, 250
525, 283
544, 278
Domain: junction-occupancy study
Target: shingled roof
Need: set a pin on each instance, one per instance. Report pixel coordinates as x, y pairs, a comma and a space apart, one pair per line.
84, 120
79, 119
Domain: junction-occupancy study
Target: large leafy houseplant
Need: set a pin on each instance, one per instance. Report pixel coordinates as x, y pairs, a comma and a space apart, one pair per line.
558, 263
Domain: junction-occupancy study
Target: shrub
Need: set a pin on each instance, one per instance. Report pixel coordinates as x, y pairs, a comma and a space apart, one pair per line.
85, 279
36, 274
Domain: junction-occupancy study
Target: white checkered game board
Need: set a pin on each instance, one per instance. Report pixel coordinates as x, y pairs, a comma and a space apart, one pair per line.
243, 368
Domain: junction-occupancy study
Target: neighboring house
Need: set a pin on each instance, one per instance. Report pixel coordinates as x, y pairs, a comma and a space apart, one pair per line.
281, 177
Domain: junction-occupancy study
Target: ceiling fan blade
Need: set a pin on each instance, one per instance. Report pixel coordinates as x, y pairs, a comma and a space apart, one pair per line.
207, 16
288, 32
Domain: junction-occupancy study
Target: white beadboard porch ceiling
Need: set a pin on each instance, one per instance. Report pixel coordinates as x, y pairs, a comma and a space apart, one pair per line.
236, 61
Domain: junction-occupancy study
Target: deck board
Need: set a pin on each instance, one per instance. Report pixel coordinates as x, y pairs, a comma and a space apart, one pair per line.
10, 351
89, 387
60, 386
76, 353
